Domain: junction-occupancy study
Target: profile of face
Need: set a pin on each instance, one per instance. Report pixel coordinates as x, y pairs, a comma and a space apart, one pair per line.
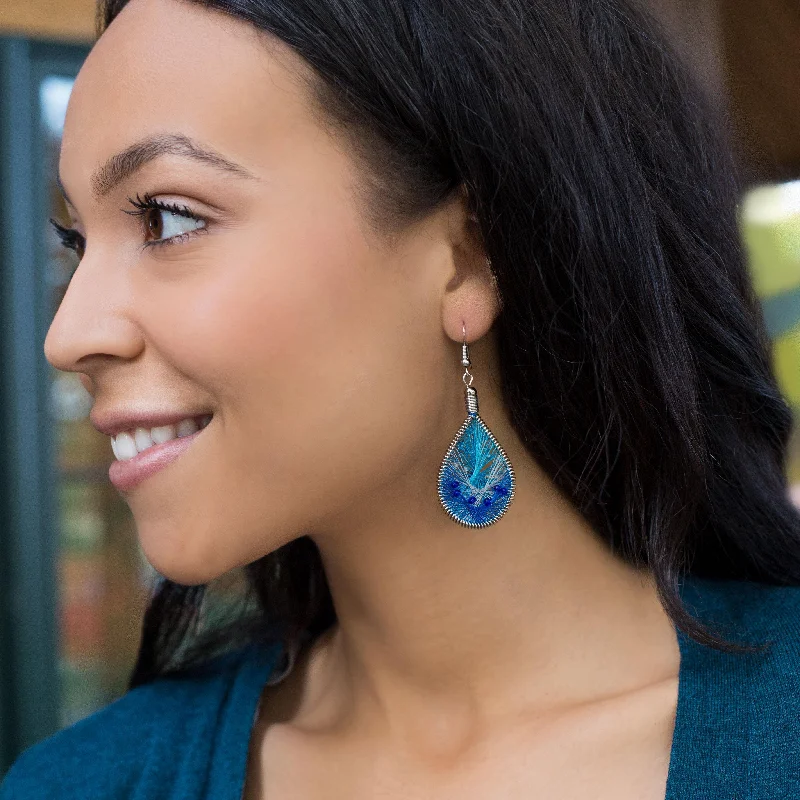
328, 358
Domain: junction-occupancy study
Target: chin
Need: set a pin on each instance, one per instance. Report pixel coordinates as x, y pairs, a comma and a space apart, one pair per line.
183, 564
184, 572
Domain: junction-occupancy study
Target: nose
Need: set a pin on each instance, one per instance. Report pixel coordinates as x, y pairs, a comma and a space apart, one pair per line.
93, 323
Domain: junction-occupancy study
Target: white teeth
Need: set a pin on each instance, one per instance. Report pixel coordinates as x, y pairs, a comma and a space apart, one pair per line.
125, 446
142, 438
163, 433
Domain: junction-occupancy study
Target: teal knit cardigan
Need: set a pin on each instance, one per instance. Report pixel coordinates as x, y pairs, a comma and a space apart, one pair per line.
737, 730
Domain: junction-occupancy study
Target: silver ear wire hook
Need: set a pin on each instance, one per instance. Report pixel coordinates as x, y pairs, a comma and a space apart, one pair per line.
465, 362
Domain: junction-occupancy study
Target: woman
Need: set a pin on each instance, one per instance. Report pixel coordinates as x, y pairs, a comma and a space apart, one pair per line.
306, 231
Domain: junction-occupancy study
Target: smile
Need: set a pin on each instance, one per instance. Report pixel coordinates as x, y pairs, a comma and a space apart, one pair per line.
144, 452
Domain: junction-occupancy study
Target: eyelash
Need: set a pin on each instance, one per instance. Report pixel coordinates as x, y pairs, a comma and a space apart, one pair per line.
71, 239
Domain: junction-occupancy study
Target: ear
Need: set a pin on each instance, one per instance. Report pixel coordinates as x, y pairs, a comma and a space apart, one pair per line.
471, 300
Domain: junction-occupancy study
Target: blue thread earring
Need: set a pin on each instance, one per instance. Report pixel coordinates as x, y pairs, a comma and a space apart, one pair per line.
476, 479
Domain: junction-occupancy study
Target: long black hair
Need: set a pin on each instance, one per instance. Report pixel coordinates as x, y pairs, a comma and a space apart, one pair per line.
635, 363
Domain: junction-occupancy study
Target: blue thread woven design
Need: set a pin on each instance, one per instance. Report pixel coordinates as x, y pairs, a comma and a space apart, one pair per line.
476, 480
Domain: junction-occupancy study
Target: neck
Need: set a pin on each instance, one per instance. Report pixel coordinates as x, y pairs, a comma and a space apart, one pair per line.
439, 621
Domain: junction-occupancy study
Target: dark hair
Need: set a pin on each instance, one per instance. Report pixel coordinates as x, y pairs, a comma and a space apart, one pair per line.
635, 363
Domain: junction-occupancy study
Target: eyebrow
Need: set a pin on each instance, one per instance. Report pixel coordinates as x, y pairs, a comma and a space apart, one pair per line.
122, 165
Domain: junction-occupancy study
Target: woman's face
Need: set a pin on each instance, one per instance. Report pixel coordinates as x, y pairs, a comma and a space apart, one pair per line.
319, 350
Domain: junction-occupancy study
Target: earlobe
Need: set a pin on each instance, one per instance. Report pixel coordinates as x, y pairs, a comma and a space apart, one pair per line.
474, 302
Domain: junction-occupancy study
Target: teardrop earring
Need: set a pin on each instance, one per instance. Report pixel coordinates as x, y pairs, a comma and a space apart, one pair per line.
476, 479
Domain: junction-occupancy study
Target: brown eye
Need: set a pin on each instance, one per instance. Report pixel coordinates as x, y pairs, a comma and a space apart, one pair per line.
154, 223
166, 223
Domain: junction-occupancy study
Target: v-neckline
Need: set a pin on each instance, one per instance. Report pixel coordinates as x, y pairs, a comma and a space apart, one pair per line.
696, 755
712, 698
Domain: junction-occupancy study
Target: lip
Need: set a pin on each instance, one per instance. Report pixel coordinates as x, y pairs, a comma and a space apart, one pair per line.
115, 422
127, 475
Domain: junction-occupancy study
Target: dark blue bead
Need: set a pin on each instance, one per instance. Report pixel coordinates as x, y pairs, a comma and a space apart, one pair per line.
487, 501
453, 484
470, 499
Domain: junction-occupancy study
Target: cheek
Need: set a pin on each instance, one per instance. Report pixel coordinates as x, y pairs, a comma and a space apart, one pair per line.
324, 370
322, 348
276, 310
311, 357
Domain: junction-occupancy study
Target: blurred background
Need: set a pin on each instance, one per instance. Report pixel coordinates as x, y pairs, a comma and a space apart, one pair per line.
73, 582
